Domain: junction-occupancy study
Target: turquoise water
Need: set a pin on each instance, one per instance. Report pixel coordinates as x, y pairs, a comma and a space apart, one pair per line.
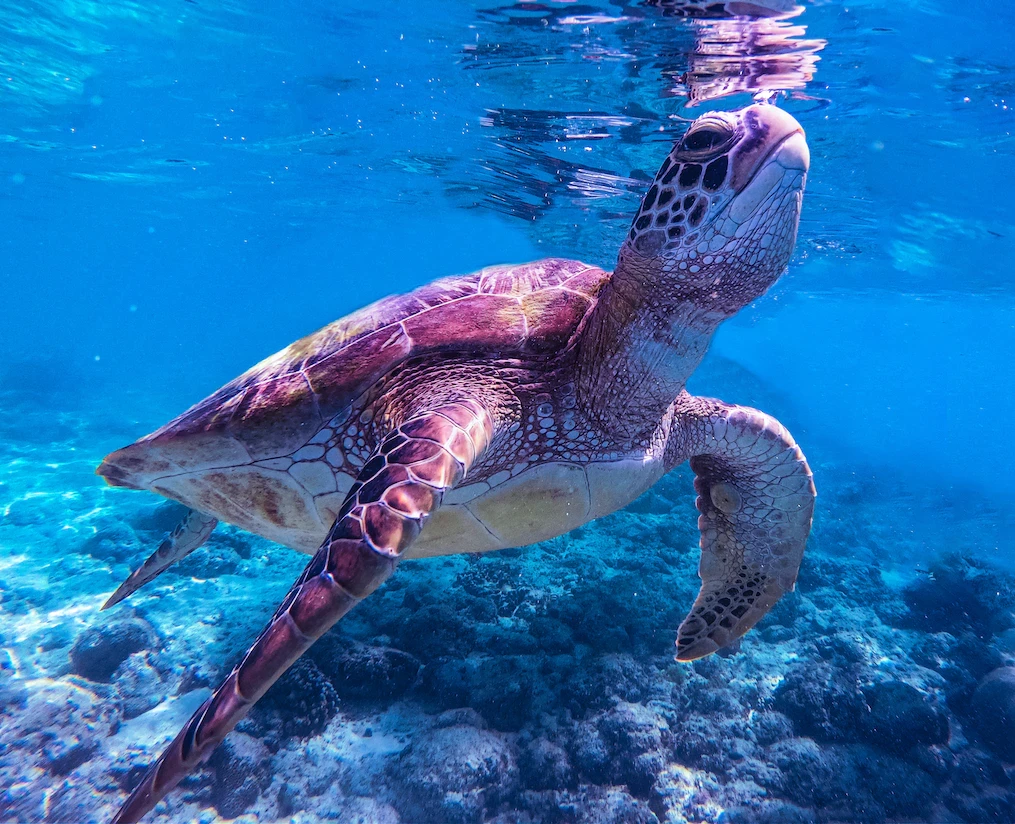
186, 188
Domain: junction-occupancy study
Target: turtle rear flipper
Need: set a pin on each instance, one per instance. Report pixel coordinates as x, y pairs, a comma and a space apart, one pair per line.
756, 498
188, 535
397, 489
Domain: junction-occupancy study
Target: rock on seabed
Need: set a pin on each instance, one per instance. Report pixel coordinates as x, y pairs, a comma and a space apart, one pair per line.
521, 686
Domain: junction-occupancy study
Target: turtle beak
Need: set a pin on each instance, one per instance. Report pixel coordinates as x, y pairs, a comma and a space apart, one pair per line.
793, 153
770, 135
774, 156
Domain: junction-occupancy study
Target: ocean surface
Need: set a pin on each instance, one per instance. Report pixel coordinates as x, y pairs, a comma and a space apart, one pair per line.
187, 187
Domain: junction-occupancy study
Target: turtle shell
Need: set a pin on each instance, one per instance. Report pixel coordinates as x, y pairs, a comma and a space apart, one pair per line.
277, 406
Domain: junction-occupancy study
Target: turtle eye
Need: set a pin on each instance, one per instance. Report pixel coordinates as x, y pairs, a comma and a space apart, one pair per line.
704, 139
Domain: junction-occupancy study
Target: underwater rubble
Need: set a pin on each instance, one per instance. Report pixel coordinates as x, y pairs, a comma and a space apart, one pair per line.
523, 686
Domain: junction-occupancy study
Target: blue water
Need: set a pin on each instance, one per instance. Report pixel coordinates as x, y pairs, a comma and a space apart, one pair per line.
187, 187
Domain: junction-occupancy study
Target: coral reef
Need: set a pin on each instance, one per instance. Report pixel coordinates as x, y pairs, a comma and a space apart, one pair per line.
533, 685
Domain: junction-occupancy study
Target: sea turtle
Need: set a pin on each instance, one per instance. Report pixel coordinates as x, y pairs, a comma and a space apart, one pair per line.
502, 408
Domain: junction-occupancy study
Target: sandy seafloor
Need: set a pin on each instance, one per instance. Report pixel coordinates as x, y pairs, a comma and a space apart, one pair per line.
532, 685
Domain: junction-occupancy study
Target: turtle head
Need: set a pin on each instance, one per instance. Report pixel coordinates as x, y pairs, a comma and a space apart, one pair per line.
718, 225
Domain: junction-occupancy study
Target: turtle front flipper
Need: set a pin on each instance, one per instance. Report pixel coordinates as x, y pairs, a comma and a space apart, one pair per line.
188, 535
756, 498
397, 489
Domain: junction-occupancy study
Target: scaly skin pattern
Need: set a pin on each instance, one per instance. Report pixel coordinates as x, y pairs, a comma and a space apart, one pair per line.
387, 507
505, 407
756, 498
713, 233
188, 535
